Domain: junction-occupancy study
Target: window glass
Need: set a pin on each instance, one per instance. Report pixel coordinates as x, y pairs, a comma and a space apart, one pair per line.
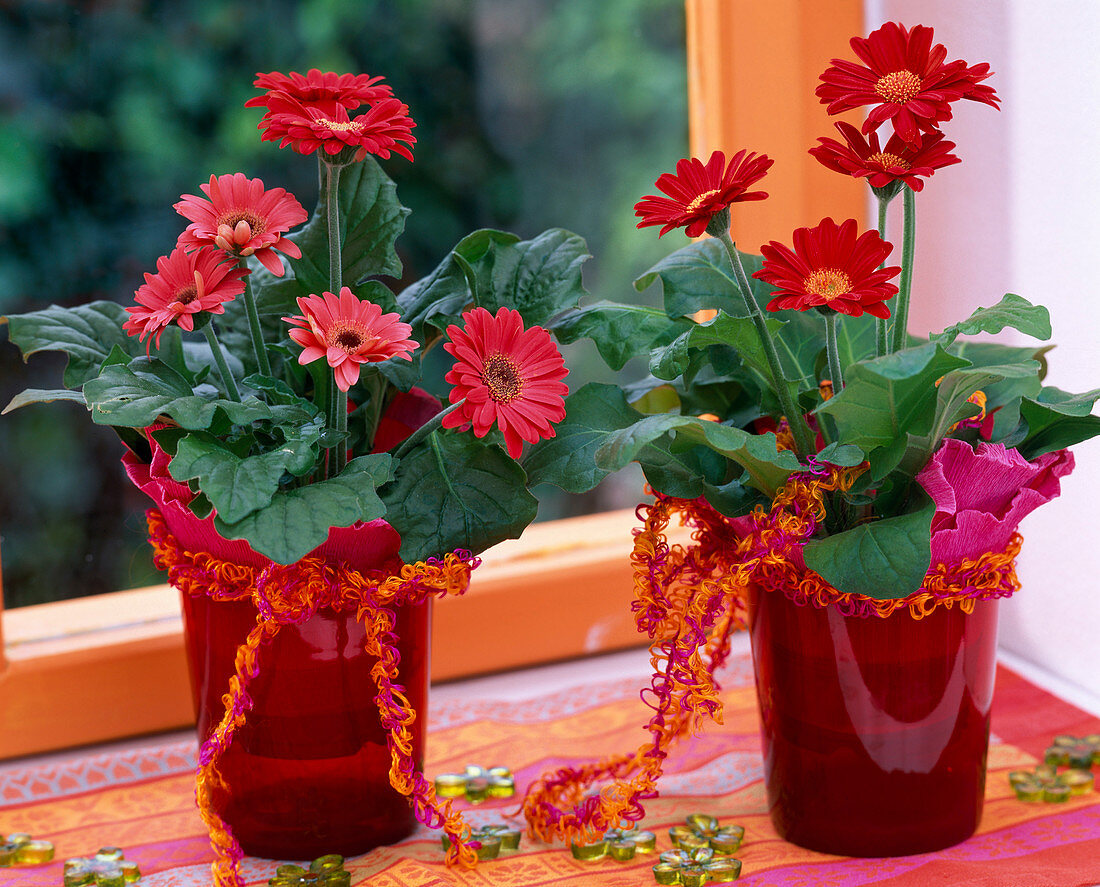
531, 113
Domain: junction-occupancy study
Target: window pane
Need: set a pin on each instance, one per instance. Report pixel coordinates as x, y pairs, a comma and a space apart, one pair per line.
531, 114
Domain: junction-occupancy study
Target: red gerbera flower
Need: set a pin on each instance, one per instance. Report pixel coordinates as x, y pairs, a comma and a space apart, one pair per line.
906, 78
185, 284
830, 267
507, 375
348, 332
350, 90
242, 218
307, 126
897, 162
697, 193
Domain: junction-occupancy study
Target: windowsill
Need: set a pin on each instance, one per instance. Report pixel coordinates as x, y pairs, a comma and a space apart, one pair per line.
571, 578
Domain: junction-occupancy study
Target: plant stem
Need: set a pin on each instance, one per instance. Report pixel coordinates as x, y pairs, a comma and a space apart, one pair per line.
219, 359
833, 352
254, 330
908, 238
334, 397
882, 324
424, 430
800, 431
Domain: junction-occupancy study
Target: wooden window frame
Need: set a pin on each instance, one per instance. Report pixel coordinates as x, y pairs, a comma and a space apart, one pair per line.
101, 668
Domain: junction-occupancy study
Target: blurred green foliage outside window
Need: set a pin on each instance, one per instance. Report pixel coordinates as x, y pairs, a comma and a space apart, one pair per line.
531, 114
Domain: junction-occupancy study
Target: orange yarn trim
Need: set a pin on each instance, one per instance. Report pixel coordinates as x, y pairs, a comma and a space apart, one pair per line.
290, 594
689, 599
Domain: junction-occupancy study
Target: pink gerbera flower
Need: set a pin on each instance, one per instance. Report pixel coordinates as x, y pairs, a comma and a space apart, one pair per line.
325, 124
698, 192
830, 267
881, 166
243, 219
348, 332
350, 90
506, 375
184, 285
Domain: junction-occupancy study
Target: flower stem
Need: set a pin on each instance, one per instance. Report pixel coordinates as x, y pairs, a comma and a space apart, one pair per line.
223, 367
908, 239
424, 430
833, 353
882, 338
800, 431
254, 330
336, 417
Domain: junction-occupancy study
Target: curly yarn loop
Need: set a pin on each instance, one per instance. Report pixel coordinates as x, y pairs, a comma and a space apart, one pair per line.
289, 595
689, 599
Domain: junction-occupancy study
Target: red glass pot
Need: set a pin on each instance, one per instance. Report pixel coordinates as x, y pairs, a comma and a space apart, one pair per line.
875, 731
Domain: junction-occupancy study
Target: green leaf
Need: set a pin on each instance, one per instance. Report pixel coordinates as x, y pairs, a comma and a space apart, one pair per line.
855, 338
87, 333
619, 332
883, 398
455, 492
568, 459
42, 395
446, 290
1012, 311
733, 499
235, 486
371, 219
697, 277
884, 559
298, 520
1057, 419
766, 467
841, 454
136, 395
738, 333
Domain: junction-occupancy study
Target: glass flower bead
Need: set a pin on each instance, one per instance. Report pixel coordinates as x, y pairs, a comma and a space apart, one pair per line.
21, 849
695, 868
704, 831
1079, 752
106, 869
493, 838
325, 871
1045, 783
476, 784
618, 843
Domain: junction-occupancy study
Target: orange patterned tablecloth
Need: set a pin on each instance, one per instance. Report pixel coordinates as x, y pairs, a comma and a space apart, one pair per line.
143, 801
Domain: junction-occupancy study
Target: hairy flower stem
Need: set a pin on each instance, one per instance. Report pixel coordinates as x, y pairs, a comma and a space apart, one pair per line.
253, 315
219, 359
336, 406
882, 338
434, 423
832, 352
908, 238
800, 431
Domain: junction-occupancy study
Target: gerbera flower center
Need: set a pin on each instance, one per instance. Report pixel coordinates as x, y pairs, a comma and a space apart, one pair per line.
187, 295
342, 125
256, 224
889, 160
898, 86
829, 283
502, 378
701, 199
346, 336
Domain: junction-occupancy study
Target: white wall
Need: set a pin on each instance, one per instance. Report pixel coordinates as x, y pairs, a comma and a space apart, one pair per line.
1021, 214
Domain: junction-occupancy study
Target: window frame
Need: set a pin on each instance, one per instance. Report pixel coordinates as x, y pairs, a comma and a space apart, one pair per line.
73, 673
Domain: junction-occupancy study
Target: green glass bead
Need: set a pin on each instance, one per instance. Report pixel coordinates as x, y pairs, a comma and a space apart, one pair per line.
1079, 782
490, 846
1055, 793
1030, 789
509, 837
1018, 776
703, 824
107, 868
19, 848
728, 840
450, 785
621, 850
666, 873
589, 852
723, 871
693, 876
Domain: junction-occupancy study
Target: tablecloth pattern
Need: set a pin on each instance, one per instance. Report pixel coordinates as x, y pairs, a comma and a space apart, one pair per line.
143, 801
